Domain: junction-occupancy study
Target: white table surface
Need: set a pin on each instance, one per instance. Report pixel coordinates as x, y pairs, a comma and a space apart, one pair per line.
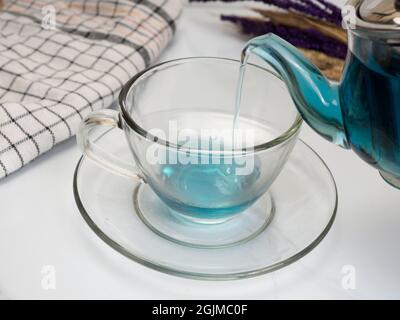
40, 224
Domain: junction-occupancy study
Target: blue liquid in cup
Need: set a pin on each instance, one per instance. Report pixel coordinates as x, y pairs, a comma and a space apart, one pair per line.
210, 191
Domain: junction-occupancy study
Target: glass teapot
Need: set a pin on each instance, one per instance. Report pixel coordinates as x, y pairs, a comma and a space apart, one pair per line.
362, 112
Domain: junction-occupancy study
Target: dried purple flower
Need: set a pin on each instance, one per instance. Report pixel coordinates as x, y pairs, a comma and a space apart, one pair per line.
321, 9
307, 39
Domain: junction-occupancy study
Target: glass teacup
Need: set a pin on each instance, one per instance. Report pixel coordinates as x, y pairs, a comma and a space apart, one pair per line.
178, 121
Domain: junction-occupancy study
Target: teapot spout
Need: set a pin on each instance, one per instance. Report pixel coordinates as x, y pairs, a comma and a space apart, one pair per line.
316, 99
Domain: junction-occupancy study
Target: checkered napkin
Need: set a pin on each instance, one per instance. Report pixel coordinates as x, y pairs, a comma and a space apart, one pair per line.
61, 59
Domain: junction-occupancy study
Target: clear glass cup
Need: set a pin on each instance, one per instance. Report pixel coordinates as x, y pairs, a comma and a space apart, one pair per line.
178, 121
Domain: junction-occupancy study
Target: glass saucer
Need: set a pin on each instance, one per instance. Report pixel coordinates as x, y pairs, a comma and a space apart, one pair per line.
284, 225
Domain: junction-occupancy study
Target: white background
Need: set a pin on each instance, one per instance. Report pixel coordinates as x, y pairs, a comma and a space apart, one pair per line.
40, 224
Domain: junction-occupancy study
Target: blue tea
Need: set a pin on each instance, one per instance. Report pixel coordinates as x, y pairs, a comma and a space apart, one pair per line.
215, 191
362, 112
213, 188
370, 99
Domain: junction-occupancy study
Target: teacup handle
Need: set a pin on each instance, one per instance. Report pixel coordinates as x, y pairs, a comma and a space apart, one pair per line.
108, 118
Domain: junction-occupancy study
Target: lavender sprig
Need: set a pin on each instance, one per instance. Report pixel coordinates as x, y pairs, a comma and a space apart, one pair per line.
321, 9
307, 38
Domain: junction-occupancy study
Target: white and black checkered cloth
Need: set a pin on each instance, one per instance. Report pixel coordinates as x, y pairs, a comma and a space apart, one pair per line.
50, 79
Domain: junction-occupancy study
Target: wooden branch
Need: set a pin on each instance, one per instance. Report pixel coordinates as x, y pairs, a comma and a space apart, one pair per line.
330, 67
293, 19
